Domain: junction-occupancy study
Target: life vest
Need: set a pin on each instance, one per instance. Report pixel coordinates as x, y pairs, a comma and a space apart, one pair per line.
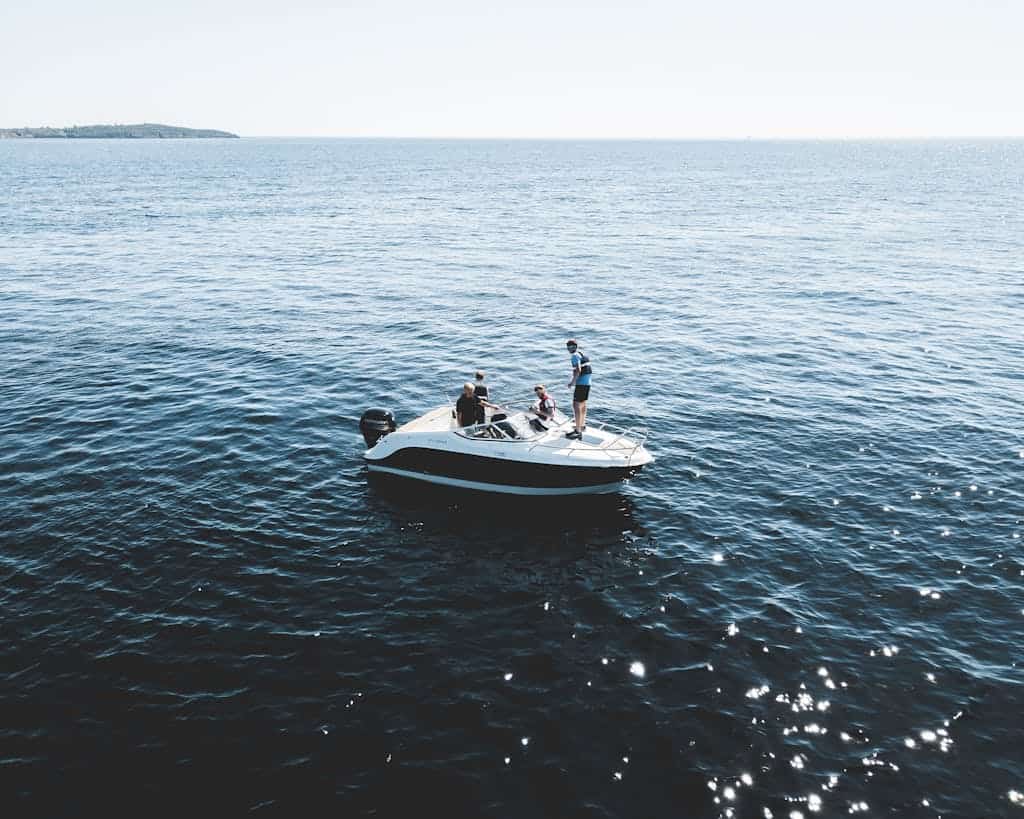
585, 364
546, 405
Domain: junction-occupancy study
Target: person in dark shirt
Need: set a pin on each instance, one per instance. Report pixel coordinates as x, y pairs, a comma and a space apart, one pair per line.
470, 406
480, 391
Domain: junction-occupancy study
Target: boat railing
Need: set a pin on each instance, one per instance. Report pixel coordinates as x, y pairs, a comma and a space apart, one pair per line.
628, 439
634, 435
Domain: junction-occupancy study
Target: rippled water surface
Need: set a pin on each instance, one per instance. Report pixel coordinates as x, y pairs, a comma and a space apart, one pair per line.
812, 604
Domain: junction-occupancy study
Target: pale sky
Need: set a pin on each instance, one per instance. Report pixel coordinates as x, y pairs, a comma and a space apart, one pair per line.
455, 68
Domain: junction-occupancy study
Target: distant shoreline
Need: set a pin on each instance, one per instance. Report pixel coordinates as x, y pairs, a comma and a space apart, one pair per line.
145, 130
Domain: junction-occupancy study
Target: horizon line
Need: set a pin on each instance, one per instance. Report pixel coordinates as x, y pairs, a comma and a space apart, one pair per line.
711, 138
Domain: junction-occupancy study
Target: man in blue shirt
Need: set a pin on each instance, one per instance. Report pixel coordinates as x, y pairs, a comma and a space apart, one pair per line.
581, 372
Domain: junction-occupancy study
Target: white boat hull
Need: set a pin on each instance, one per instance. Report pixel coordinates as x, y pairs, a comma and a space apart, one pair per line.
517, 456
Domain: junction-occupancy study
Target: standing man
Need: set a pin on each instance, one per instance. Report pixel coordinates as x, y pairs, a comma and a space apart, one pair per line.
467, 405
470, 406
480, 391
581, 373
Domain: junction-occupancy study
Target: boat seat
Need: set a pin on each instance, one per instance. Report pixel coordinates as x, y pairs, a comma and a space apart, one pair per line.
508, 429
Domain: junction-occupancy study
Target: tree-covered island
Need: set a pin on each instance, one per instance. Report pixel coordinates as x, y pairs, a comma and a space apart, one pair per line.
146, 130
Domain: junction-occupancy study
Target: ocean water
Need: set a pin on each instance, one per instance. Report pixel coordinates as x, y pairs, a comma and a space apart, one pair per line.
812, 604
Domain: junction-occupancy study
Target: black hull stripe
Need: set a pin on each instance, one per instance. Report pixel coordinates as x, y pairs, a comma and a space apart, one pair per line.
479, 469
505, 489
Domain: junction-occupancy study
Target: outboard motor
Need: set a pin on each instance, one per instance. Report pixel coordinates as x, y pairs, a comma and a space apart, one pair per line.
375, 424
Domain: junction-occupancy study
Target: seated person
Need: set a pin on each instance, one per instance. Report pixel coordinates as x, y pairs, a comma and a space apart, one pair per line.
545, 406
466, 408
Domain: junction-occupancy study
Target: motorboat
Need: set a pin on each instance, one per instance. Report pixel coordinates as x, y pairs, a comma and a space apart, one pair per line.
513, 452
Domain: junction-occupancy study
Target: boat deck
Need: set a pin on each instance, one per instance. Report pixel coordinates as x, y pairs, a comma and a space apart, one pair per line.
437, 420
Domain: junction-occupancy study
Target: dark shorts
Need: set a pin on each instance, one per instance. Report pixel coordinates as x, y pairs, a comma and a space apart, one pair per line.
581, 393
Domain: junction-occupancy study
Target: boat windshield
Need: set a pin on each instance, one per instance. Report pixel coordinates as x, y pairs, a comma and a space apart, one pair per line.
516, 427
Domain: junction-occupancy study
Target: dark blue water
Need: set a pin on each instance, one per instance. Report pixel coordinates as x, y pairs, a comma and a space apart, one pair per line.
812, 604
